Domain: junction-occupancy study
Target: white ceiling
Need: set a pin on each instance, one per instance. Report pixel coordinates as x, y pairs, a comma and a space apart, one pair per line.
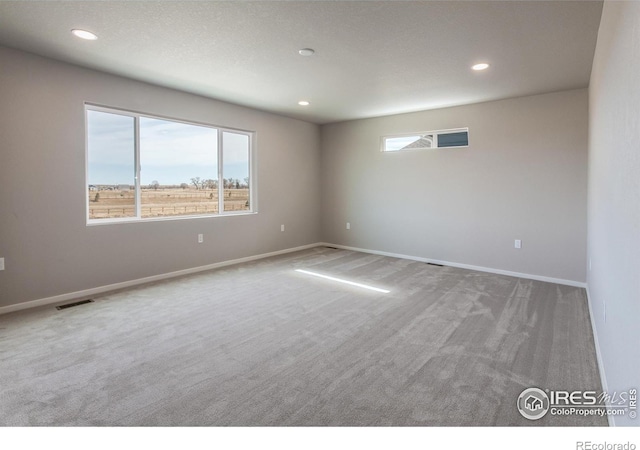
372, 57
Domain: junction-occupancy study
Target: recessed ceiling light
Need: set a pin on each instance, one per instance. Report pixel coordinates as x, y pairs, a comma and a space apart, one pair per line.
306, 51
84, 34
303, 103
480, 66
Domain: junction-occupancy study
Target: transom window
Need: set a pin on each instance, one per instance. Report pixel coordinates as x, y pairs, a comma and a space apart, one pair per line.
141, 167
426, 140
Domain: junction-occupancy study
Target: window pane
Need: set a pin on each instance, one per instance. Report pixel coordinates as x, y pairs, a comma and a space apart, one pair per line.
111, 165
427, 140
458, 139
178, 168
409, 142
235, 171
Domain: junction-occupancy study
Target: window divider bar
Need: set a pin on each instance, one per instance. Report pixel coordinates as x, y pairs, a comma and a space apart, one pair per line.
138, 168
220, 173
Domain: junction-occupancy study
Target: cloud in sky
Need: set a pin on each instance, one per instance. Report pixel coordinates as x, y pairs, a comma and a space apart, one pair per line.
170, 152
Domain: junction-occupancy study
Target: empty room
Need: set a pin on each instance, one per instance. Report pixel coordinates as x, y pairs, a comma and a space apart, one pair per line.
319, 213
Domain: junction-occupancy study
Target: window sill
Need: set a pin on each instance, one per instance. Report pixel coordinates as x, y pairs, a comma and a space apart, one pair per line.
98, 222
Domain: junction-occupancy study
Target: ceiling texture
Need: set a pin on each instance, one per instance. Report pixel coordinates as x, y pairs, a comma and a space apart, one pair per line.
372, 58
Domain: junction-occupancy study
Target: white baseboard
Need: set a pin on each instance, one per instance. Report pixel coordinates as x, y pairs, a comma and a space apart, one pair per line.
463, 266
125, 284
603, 376
130, 283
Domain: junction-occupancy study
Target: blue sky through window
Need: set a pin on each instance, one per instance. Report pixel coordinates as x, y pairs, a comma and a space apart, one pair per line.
170, 152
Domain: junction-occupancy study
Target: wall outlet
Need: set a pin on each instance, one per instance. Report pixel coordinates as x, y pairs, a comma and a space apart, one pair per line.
348, 226
1, 263
200, 238
282, 227
517, 243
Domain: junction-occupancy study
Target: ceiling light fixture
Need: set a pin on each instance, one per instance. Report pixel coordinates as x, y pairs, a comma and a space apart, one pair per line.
303, 103
306, 51
480, 66
84, 34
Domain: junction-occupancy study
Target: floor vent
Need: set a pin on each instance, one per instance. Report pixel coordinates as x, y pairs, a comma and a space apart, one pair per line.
434, 264
71, 305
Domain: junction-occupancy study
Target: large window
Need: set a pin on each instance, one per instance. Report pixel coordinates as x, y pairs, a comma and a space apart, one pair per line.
143, 167
426, 140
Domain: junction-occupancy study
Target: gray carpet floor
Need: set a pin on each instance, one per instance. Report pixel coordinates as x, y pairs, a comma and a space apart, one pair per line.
260, 344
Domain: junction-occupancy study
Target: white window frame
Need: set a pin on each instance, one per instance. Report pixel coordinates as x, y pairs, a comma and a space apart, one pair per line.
138, 191
436, 133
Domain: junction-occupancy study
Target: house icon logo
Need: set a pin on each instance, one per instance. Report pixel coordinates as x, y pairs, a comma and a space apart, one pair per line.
533, 403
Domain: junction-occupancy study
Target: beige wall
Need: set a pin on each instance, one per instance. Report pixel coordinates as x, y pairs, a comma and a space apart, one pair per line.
614, 196
523, 176
47, 246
